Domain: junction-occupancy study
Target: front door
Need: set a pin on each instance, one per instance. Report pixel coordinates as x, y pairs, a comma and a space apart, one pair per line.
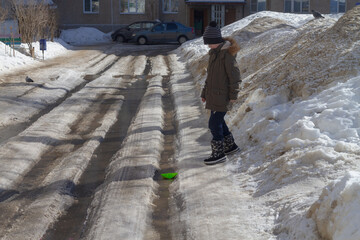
199, 19
218, 14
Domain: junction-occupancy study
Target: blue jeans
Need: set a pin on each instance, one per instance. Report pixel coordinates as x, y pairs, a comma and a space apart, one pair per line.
217, 125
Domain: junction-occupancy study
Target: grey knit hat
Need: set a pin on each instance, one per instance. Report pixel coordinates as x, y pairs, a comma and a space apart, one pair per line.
212, 34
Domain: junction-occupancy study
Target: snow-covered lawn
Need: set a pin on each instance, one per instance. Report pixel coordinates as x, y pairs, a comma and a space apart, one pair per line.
297, 121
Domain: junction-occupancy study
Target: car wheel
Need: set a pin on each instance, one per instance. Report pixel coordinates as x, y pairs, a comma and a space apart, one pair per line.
120, 39
141, 40
182, 39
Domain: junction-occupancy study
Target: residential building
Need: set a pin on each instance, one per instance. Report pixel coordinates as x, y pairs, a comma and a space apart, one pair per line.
303, 6
108, 15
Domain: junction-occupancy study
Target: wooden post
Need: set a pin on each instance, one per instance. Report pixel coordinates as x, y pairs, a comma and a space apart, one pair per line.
11, 37
14, 47
4, 37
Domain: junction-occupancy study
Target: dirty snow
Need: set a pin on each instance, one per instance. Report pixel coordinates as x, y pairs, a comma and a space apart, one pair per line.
60, 46
84, 36
296, 120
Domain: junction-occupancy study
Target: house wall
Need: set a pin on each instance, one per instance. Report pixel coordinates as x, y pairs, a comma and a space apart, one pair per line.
247, 8
181, 16
276, 5
351, 3
322, 6
109, 18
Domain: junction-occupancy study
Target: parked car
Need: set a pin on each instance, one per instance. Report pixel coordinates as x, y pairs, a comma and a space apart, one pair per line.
164, 32
125, 33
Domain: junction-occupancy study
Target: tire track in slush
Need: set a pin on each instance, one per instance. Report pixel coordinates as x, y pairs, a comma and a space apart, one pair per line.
72, 224
15, 205
159, 228
161, 212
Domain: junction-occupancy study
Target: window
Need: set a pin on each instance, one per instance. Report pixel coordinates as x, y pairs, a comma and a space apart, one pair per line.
148, 25
159, 28
132, 6
91, 6
257, 5
171, 27
170, 6
218, 14
337, 6
296, 6
135, 26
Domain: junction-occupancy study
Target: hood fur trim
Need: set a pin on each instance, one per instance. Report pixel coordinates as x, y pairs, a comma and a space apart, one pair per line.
231, 45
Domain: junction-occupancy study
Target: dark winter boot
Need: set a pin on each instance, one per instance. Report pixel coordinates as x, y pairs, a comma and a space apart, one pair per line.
230, 146
217, 155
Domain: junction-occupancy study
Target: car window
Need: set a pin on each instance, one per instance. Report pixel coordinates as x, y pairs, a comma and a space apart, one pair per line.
159, 28
148, 25
135, 26
171, 27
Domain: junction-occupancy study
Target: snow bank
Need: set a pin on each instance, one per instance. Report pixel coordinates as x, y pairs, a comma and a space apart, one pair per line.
337, 212
60, 46
84, 36
297, 115
8, 62
53, 49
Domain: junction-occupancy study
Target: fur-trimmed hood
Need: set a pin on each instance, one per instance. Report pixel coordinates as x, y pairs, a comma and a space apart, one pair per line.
231, 45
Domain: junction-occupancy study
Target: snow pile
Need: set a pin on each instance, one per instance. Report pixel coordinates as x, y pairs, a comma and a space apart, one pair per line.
84, 36
8, 62
53, 49
337, 212
60, 46
297, 118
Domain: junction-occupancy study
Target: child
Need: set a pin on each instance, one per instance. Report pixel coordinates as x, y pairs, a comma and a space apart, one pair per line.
221, 87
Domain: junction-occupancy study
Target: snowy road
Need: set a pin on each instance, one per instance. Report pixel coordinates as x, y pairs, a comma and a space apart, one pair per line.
52, 127
82, 148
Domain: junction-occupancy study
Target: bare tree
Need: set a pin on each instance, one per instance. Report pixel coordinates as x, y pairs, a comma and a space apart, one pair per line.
53, 24
35, 19
3, 13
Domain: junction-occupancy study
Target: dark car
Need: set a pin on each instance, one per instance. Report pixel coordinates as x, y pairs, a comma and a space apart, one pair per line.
164, 32
125, 33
